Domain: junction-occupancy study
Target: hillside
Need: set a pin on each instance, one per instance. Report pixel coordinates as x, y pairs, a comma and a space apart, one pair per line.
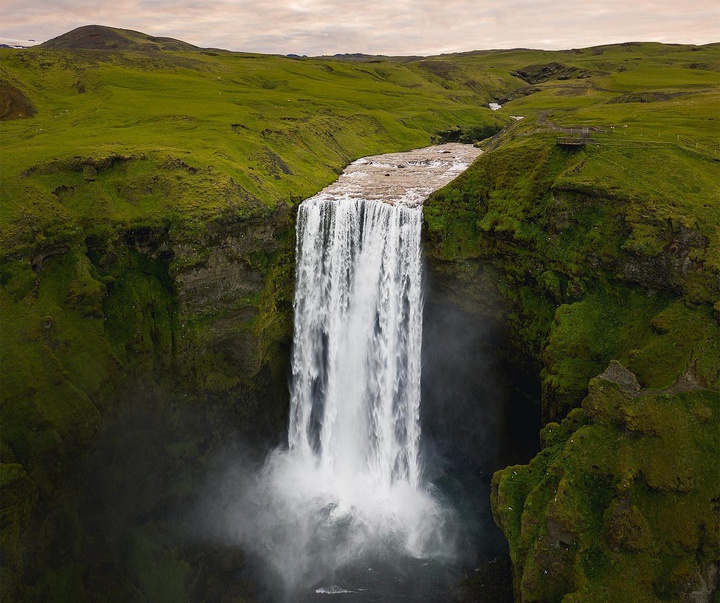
271, 128
99, 37
607, 254
147, 226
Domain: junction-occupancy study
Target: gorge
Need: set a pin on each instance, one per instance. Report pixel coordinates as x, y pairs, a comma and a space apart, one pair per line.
570, 332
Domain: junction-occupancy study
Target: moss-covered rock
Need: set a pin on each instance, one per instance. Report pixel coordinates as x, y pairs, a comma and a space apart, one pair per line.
18, 495
621, 504
561, 255
595, 276
202, 316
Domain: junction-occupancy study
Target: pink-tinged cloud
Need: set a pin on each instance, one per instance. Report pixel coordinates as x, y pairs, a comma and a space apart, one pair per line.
401, 27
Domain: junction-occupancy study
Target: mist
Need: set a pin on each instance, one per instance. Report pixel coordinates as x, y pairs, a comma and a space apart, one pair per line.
307, 533
310, 532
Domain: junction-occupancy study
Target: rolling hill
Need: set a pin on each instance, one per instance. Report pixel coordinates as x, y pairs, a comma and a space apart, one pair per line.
99, 37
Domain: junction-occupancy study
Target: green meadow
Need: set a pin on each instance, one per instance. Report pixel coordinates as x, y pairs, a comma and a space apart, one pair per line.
278, 128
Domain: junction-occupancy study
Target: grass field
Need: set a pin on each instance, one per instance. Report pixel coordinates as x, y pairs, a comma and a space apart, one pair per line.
280, 128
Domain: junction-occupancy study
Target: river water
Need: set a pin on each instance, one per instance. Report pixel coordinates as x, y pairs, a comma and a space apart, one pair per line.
354, 430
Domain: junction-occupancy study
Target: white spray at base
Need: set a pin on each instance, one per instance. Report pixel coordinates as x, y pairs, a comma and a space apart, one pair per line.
349, 486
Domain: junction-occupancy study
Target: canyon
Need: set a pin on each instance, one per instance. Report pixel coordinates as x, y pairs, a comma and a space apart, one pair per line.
570, 327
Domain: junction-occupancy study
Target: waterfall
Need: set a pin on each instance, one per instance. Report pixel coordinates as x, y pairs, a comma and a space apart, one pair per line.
355, 394
347, 495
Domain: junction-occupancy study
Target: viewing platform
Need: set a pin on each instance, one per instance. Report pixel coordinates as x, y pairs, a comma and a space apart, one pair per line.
582, 138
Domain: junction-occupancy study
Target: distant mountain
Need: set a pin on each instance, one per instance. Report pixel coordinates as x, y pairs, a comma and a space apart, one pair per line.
369, 58
11, 43
99, 37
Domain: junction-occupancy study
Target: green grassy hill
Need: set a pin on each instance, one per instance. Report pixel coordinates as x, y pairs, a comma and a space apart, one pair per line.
278, 129
281, 128
99, 37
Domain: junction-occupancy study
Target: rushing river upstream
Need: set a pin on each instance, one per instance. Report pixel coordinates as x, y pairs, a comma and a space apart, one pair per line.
345, 512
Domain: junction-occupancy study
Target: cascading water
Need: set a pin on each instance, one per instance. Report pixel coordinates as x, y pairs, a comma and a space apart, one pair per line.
348, 494
358, 332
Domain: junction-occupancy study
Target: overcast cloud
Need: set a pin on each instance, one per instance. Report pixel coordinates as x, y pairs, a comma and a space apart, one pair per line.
316, 27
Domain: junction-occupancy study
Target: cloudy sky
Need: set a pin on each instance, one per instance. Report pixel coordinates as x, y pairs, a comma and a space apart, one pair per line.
316, 27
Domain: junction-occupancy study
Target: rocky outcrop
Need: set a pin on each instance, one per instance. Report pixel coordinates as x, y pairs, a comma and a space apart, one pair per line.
14, 104
234, 290
622, 483
540, 73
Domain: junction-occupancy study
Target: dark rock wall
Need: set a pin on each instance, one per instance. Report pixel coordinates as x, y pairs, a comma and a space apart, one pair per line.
149, 346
